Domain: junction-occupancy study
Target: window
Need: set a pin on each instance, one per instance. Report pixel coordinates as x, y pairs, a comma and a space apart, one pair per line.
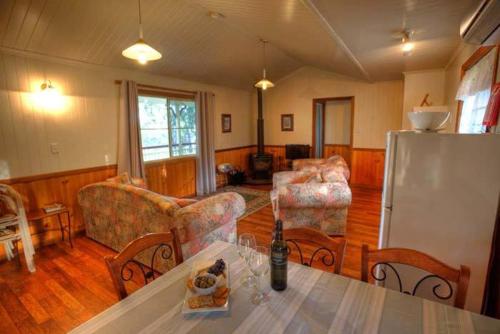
168, 127
475, 89
473, 109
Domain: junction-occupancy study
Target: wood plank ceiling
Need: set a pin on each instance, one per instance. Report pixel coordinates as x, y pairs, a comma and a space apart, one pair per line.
347, 37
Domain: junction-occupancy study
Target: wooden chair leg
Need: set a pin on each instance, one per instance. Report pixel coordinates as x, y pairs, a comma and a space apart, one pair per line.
17, 254
61, 226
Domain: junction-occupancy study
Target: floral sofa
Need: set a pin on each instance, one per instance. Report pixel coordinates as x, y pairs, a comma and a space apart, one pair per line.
314, 194
116, 213
335, 162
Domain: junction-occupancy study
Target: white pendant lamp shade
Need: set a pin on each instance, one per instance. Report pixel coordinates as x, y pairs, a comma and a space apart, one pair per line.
141, 51
264, 83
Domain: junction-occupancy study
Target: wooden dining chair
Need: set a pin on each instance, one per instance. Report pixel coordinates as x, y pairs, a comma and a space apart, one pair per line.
329, 250
382, 259
163, 246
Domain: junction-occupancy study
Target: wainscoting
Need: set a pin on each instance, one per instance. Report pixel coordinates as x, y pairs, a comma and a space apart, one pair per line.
62, 187
366, 164
342, 150
237, 156
175, 177
367, 167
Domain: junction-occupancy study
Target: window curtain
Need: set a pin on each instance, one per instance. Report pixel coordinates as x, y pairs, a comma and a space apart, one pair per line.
129, 132
493, 110
473, 110
478, 78
205, 164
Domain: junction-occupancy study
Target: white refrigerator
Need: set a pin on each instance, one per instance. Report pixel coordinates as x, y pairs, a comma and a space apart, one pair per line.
441, 195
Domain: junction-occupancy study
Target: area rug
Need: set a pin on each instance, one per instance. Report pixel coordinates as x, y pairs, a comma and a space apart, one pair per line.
255, 199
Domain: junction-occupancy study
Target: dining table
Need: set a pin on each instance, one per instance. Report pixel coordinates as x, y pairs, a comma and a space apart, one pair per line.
315, 301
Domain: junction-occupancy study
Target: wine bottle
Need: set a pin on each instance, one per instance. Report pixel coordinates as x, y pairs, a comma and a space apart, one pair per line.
279, 259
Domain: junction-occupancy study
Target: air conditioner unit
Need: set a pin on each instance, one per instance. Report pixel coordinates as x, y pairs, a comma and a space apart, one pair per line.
482, 25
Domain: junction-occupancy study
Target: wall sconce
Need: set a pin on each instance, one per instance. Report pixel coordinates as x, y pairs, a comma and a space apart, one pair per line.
48, 97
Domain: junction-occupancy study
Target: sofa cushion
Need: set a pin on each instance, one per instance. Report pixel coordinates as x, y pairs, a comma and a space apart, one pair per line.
122, 178
333, 174
295, 177
315, 195
183, 202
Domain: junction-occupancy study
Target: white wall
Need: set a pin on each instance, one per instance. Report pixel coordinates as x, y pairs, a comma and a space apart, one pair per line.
85, 125
416, 85
338, 122
378, 106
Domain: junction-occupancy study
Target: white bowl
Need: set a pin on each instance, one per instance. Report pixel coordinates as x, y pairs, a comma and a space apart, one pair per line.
205, 291
428, 120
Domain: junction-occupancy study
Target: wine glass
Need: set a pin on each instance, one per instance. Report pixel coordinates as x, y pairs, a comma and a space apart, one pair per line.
246, 244
259, 266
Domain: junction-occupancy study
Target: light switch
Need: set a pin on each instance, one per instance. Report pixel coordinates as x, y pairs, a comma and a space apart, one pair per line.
54, 148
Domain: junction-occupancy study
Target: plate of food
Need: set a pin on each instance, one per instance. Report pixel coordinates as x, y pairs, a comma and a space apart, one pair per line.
207, 288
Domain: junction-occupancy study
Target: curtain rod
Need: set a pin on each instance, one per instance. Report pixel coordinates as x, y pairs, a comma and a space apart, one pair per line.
118, 82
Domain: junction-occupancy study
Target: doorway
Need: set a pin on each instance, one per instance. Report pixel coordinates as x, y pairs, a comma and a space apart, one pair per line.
333, 121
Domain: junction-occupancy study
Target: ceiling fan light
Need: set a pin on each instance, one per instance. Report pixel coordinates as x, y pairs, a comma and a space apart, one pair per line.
141, 52
407, 47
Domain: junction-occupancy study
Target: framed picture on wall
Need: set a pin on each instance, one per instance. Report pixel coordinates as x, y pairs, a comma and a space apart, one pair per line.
286, 122
226, 122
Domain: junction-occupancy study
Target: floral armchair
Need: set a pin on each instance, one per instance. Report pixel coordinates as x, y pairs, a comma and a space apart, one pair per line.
317, 196
116, 213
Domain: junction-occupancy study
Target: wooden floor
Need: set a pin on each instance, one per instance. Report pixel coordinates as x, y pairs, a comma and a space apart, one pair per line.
72, 285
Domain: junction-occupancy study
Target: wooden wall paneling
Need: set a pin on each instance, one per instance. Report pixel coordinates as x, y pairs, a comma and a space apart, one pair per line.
238, 156
342, 150
174, 177
63, 187
367, 167
279, 156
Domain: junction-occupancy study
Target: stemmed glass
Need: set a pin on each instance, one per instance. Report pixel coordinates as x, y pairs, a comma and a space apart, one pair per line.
259, 266
246, 244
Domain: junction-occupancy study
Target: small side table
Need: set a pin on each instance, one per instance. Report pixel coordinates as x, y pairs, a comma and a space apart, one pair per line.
40, 214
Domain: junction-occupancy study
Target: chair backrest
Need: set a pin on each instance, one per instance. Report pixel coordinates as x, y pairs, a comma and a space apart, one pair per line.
11, 200
121, 266
383, 259
322, 247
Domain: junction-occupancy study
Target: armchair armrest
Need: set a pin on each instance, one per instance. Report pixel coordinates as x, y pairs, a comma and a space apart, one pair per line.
314, 195
202, 217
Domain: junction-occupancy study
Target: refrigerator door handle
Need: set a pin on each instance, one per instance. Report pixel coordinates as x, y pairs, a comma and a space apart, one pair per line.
390, 165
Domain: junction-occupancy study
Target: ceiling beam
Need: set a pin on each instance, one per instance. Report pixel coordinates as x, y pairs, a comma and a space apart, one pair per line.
336, 38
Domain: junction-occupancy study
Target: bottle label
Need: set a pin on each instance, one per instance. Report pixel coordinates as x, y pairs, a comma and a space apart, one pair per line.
278, 258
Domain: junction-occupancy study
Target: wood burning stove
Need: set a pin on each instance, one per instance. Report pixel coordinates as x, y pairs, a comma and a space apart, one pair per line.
261, 163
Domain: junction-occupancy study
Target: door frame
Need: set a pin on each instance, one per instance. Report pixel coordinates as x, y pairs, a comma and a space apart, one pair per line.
323, 101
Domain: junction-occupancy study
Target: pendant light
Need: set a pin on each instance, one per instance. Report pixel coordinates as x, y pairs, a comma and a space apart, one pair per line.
264, 83
141, 51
